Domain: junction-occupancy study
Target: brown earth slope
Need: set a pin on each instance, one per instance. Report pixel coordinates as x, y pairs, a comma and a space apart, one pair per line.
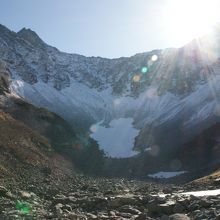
30, 136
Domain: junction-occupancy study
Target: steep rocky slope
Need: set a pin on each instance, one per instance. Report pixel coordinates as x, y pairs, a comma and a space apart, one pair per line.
33, 138
22, 146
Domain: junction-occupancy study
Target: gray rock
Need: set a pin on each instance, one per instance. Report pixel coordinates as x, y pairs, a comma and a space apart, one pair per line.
178, 208
91, 216
141, 216
67, 207
58, 209
125, 215
166, 208
63, 199
3, 191
129, 209
179, 217
112, 213
25, 195
164, 217
120, 200
167, 190
201, 216
205, 203
194, 206
217, 181
74, 216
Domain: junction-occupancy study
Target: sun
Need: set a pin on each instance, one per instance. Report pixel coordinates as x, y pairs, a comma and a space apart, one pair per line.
186, 19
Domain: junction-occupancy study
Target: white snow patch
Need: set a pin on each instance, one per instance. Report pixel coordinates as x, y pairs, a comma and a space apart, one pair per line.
117, 140
203, 193
165, 175
147, 149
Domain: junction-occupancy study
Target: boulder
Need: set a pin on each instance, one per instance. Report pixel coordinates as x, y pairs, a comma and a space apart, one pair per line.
178, 217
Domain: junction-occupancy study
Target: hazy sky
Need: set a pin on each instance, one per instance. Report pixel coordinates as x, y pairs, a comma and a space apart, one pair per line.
107, 28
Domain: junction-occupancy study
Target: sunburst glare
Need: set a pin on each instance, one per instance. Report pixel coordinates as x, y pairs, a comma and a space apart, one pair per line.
185, 20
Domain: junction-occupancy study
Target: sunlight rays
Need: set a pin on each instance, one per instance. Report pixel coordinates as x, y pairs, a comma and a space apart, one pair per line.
185, 20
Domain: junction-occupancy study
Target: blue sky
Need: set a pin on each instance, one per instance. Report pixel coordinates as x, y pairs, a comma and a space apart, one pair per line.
107, 28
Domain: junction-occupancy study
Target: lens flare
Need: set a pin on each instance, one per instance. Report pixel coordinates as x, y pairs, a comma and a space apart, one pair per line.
144, 70
154, 58
136, 78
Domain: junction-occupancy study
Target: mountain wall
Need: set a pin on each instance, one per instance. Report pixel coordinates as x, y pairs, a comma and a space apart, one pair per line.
172, 95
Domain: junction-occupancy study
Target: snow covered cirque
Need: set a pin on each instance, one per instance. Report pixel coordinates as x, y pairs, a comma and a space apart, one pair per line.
179, 90
117, 140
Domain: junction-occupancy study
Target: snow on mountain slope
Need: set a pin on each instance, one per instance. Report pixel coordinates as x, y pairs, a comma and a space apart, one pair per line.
102, 105
68, 102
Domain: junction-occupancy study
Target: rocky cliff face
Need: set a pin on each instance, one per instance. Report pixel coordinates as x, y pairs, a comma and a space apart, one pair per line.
171, 94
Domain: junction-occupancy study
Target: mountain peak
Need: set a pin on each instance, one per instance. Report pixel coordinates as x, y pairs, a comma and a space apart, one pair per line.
3, 28
30, 36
